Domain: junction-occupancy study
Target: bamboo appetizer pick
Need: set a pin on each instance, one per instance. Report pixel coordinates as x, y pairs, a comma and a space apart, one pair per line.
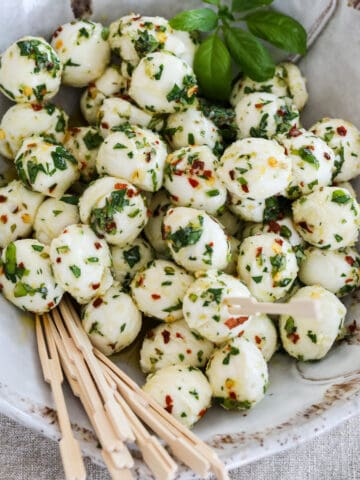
248, 306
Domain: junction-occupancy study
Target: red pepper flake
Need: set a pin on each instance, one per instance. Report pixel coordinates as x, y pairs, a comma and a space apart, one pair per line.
120, 186
207, 173
4, 218
58, 260
109, 227
257, 339
148, 157
352, 327
202, 412
65, 231
166, 336
294, 337
3, 198
198, 165
150, 334
189, 351
258, 251
302, 184
305, 227
105, 125
327, 156
148, 213
259, 105
36, 107
274, 227
341, 131
348, 280
169, 403
50, 304
140, 281
310, 147
130, 193
97, 302
349, 260
21, 265
240, 334
279, 241
281, 112
175, 198
178, 335
95, 286
52, 188
83, 165
233, 322
211, 244
98, 245
155, 296
232, 174
74, 130
156, 141
294, 132
1, 286
245, 188
16, 210
194, 183
232, 395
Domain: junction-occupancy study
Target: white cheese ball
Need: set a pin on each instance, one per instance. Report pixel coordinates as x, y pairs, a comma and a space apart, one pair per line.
30, 71
26, 276
163, 83
46, 167
196, 241
283, 226
159, 288
18, 207
158, 206
81, 262
173, 344
83, 50
115, 209
336, 270
265, 115
52, 217
328, 218
134, 153
24, 120
247, 208
309, 338
261, 331
267, 265
344, 139
231, 223
296, 84
255, 168
231, 268
238, 375
190, 178
205, 309
112, 320
183, 391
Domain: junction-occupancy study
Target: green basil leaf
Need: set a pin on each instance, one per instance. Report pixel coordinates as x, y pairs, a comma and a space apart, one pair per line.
281, 30
212, 67
203, 19
213, 2
249, 54
242, 5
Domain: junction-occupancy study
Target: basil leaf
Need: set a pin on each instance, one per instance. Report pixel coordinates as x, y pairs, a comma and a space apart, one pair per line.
213, 2
242, 5
249, 54
281, 30
212, 67
203, 19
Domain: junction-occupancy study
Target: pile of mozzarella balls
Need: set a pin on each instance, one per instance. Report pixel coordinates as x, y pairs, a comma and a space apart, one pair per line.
150, 209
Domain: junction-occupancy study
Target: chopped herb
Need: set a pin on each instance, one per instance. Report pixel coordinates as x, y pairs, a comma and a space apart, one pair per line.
173, 308
312, 336
37, 248
92, 140
119, 146
105, 33
75, 270
132, 256
257, 279
95, 329
158, 74
92, 259
260, 131
339, 196
213, 193
185, 236
290, 326
233, 351
212, 295
194, 393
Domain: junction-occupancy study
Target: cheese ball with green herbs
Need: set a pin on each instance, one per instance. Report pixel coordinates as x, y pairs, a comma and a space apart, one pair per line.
283, 226
112, 320
196, 241
158, 206
328, 218
81, 262
159, 288
26, 276
260, 330
247, 208
83, 50
238, 375
309, 338
30, 71
183, 391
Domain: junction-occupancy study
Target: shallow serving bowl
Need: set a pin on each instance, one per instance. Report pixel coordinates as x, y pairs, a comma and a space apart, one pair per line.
304, 399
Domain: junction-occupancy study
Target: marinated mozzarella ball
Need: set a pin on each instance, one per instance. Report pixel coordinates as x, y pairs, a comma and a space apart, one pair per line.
336, 270
195, 240
267, 265
115, 210
81, 262
328, 218
183, 391
261, 331
83, 50
136, 154
52, 217
231, 268
158, 206
83, 143
344, 139
255, 167
112, 320
191, 180
18, 207
247, 208
238, 374
30, 71
163, 83
46, 167
205, 309
26, 276
173, 344
24, 120
159, 288
310, 338
265, 115
283, 226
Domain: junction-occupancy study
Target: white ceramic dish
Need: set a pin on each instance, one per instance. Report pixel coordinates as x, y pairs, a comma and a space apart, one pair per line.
303, 399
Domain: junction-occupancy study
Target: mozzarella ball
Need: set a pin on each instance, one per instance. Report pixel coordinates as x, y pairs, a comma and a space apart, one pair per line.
231, 268
336, 270
196, 241
310, 338
267, 265
173, 344
115, 210
283, 226
158, 206
238, 374
112, 320
83, 50
261, 331
46, 167
191, 180
26, 276
296, 84
247, 208
230, 222
205, 310
30, 71
183, 391
255, 168
52, 217
344, 139
18, 207
159, 288
328, 218
24, 120
163, 83
81, 262
136, 154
